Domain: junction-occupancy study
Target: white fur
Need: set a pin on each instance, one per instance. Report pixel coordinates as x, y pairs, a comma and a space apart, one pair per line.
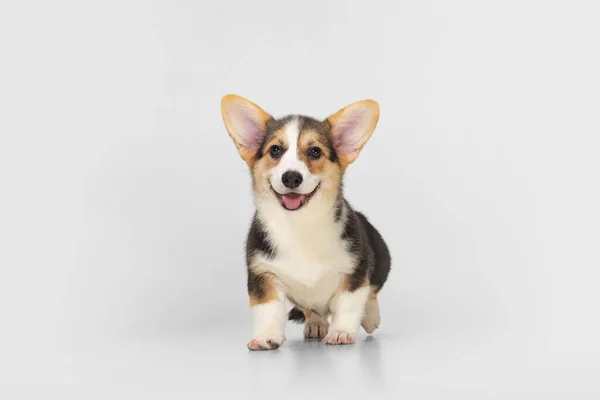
291, 162
348, 309
311, 258
269, 321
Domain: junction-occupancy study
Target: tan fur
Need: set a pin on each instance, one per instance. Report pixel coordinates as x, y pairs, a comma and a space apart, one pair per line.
330, 178
260, 169
270, 292
330, 172
345, 284
308, 139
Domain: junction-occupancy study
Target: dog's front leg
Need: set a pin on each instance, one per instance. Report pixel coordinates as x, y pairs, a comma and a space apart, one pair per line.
266, 301
347, 309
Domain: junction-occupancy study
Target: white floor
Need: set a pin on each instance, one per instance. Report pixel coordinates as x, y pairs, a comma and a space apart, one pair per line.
404, 358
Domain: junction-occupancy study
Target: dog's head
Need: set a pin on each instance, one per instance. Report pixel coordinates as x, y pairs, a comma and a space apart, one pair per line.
296, 158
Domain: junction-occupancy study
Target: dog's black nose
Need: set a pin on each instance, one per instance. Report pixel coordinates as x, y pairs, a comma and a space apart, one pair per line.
291, 179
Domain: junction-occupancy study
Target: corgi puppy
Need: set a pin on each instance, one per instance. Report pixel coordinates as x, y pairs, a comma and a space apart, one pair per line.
306, 244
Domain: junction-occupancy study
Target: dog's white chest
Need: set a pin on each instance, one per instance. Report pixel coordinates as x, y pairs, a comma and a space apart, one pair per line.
311, 280
311, 261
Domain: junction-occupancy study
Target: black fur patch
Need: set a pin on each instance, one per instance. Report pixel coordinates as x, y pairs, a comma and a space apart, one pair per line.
339, 203
258, 242
296, 315
382, 258
257, 285
371, 252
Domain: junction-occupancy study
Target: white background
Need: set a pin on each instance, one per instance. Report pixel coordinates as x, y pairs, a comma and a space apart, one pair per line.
124, 204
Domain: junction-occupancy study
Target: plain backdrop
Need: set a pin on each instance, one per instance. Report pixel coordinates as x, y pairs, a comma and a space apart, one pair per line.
124, 205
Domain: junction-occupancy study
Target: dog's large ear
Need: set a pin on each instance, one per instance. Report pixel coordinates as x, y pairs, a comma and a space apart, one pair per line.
351, 127
246, 123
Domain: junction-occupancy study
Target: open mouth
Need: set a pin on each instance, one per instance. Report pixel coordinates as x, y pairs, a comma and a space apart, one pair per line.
294, 201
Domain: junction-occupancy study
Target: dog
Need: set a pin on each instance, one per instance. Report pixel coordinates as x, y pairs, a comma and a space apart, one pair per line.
306, 244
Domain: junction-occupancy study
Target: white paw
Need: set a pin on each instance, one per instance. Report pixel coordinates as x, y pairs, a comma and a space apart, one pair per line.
269, 341
336, 336
315, 330
370, 322
371, 319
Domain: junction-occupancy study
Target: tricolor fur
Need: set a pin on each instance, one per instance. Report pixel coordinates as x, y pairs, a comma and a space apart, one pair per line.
306, 243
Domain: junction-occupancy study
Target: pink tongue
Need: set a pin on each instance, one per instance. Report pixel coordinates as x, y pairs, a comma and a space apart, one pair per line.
292, 201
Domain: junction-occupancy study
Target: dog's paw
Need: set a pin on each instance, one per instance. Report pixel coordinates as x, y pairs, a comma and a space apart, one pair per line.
371, 319
269, 340
337, 336
370, 325
370, 322
315, 330
265, 343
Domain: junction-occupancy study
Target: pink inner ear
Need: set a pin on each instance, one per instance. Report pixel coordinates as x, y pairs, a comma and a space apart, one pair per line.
248, 126
349, 131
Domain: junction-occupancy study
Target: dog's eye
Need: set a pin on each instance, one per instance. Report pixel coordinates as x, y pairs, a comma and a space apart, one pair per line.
275, 151
314, 153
